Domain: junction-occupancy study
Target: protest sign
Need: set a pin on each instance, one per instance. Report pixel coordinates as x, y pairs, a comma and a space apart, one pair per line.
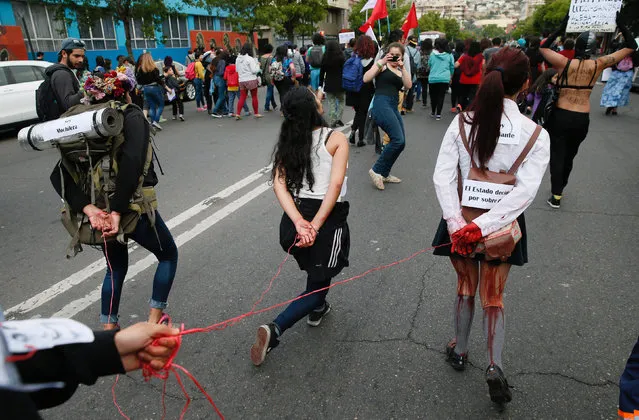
344, 37
593, 15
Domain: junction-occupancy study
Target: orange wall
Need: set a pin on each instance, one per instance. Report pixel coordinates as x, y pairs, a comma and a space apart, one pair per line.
226, 40
12, 45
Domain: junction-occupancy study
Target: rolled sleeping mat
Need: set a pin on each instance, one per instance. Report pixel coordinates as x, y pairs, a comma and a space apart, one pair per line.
105, 122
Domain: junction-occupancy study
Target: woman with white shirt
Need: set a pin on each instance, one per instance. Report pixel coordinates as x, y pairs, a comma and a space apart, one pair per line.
248, 69
497, 135
309, 180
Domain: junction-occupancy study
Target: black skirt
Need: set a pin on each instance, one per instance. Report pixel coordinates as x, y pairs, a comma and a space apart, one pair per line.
329, 254
518, 257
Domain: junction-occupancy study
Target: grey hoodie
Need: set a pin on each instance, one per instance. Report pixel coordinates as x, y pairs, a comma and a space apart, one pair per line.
65, 85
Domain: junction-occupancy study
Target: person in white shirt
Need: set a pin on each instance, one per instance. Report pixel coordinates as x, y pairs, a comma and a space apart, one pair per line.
497, 135
248, 69
309, 180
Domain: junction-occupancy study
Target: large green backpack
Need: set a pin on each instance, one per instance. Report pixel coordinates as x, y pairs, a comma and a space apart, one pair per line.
93, 166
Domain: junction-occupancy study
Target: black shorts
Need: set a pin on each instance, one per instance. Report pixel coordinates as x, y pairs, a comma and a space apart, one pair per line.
329, 254
518, 257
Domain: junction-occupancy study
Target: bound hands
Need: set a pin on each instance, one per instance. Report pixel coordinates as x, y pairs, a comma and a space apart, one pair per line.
145, 342
306, 232
465, 239
107, 223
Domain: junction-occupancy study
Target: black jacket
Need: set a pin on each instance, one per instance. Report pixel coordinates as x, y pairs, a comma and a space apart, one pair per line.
131, 165
65, 85
331, 76
72, 364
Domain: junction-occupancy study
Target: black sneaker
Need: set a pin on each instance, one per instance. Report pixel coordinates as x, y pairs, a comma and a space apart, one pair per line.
458, 362
339, 123
265, 340
215, 115
351, 138
315, 317
553, 202
498, 385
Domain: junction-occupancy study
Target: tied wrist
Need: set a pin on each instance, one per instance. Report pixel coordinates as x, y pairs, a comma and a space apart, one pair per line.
454, 224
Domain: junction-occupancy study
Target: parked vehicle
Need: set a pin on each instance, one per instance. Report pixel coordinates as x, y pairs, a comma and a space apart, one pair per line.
18, 83
187, 89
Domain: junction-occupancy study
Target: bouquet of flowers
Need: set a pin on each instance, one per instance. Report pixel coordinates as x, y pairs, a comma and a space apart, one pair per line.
113, 84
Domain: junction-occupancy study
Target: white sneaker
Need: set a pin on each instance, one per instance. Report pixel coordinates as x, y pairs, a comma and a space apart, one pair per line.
157, 125
391, 179
377, 179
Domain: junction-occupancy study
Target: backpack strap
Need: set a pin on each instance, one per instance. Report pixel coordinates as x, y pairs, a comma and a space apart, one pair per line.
527, 149
462, 132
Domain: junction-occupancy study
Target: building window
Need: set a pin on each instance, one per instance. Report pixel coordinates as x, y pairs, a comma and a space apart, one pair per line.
138, 40
174, 29
39, 21
203, 23
225, 25
100, 36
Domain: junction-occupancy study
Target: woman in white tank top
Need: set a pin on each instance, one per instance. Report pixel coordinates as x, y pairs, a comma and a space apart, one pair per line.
309, 179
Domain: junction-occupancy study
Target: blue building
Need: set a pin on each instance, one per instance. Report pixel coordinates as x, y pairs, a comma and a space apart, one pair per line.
106, 37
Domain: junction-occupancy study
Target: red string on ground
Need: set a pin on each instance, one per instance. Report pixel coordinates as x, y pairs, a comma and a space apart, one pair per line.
170, 367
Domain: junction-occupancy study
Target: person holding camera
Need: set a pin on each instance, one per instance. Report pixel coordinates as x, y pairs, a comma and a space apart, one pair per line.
390, 77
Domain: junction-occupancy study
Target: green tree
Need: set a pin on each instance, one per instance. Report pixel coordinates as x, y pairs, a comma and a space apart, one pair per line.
395, 17
296, 17
546, 18
492, 31
151, 13
452, 29
431, 22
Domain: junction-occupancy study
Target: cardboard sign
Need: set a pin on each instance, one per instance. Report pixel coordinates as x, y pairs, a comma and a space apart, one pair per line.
344, 37
483, 195
42, 334
593, 15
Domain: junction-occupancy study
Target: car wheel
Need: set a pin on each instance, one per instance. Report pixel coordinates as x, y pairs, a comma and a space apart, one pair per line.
189, 92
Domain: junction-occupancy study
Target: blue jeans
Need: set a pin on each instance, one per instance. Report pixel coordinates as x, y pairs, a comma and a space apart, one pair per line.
154, 97
388, 118
220, 87
165, 251
199, 95
418, 89
270, 97
300, 308
233, 95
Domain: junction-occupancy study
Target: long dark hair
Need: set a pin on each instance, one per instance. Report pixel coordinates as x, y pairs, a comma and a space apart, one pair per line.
292, 153
505, 75
333, 56
281, 53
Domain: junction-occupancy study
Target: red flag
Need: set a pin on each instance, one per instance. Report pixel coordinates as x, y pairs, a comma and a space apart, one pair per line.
379, 12
411, 20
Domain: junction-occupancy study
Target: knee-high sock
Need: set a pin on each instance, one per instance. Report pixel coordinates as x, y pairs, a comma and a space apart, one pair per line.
494, 330
464, 311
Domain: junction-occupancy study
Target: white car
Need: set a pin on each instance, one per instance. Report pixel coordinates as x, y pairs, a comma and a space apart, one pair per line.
18, 83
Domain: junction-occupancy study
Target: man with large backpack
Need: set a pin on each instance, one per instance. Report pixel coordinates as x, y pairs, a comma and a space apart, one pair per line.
60, 89
107, 185
314, 57
415, 63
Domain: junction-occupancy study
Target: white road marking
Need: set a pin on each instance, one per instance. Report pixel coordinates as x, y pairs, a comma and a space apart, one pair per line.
78, 305
99, 265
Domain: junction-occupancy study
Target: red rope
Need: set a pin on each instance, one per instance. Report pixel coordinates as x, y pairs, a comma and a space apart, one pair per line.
170, 367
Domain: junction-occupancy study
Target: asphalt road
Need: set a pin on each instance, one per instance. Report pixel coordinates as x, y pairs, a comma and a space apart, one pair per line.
571, 312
